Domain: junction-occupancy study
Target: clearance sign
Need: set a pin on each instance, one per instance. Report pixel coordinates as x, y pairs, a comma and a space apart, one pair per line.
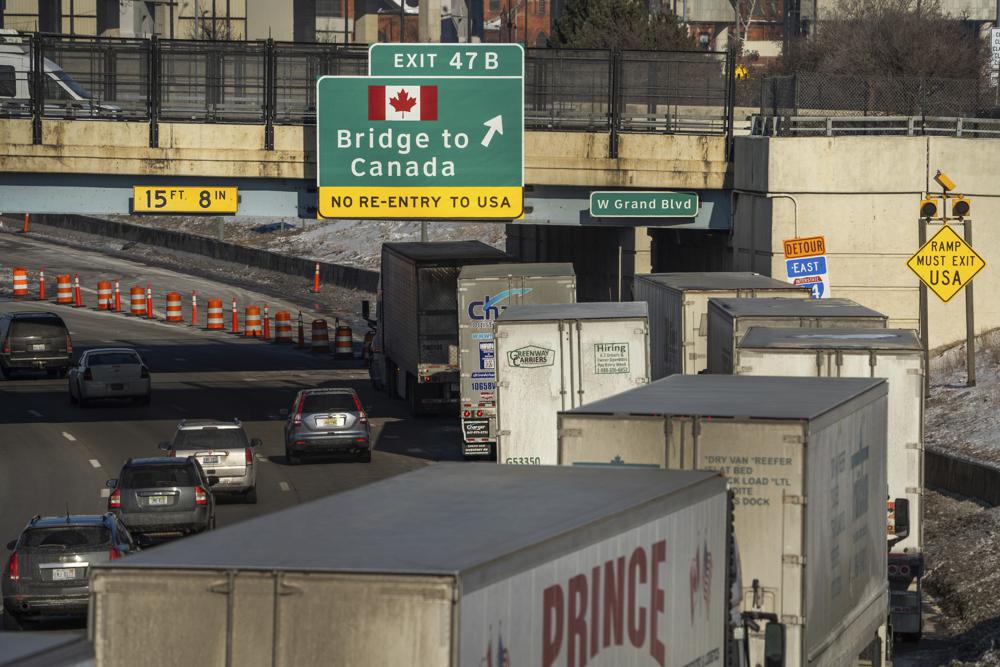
805, 264
423, 147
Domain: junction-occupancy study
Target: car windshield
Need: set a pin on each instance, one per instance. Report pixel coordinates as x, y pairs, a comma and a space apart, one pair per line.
37, 327
111, 358
212, 438
157, 476
329, 403
67, 537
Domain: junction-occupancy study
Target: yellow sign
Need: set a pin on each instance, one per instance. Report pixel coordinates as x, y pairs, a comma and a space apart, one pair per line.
946, 263
183, 199
741, 72
806, 246
506, 203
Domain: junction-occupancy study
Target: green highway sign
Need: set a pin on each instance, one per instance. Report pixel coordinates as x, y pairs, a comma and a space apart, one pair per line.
420, 147
389, 59
645, 204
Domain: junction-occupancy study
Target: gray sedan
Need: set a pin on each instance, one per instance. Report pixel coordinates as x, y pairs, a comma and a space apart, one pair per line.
327, 421
110, 372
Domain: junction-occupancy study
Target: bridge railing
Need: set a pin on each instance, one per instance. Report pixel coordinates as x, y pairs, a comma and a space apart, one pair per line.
274, 83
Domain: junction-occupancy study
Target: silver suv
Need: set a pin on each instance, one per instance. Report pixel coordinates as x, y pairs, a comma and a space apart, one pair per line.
327, 421
223, 450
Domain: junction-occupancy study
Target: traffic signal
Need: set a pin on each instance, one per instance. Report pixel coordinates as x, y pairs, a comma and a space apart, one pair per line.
931, 208
960, 206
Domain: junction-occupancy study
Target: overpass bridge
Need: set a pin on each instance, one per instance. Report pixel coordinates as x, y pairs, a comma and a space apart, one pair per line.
164, 112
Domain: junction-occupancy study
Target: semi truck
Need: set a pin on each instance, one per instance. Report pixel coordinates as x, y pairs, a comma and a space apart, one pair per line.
556, 357
550, 566
806, 463
729, 319
894, 354
414, 355
678, 312
484, 292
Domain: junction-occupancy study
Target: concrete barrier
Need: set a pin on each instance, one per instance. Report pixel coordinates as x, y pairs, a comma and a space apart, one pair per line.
962, 476
330, 272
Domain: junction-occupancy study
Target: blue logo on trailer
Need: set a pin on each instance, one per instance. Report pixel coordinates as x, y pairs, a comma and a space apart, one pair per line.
489, 308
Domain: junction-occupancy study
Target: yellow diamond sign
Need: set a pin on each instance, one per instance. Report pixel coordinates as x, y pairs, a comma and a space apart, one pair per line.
946, 263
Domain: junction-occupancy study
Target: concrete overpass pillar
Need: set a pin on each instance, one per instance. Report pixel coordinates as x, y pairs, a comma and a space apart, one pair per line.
429, 25
636, 248
366, 29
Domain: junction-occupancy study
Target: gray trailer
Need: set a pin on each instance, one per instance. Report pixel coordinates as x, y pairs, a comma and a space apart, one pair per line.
805, 459
678, 312
484, 292
897, 356
415, 350
729, 319
544, 566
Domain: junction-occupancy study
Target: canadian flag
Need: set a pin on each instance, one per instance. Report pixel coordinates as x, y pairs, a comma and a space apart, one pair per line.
402, 102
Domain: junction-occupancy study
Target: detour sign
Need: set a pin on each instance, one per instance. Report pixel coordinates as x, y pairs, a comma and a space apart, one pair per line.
946, 263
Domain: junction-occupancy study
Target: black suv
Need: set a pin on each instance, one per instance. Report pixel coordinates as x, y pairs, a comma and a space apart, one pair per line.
47, 572
163, 495
34, 340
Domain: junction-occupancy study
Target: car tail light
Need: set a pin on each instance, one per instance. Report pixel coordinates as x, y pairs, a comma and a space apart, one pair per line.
248, 455
114, 554
69, 344
200, 496
144, 373
88, 374
297, 420
6, 346
361, 411
171, 453
115, 499
360, 440
14, 567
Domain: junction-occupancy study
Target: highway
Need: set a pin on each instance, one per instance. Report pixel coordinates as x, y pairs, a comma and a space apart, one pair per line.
54, 455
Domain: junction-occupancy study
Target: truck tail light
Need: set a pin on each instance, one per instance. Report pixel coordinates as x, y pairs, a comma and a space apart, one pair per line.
115, 499
114, 554
14, 567
479, 413
200, 496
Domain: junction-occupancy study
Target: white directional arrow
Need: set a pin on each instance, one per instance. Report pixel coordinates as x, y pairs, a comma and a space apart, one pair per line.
496, 125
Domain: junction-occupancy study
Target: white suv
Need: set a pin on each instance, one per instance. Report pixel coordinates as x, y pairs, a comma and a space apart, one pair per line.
223, 450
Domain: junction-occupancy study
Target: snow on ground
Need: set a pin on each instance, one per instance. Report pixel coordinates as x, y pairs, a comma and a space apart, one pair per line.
352, 242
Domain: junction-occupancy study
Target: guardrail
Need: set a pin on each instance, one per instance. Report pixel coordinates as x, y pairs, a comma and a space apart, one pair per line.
831, 126
274, 83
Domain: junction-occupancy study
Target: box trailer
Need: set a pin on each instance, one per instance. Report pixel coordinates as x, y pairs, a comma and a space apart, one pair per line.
729, 319
805, 459
485, 291
556, 357
549, 566
678, 312
414, 354
894, 354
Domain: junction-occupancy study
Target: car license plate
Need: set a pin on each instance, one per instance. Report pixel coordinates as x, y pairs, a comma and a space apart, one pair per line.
117, 387
336, 420
158, 500
63, 573
37, 348
209, 460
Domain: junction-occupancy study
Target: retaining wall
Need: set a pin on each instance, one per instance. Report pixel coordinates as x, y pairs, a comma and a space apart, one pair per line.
961, 476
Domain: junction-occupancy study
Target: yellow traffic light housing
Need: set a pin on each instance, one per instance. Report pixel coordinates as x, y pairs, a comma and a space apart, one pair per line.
931, 208
960, 206
943, 180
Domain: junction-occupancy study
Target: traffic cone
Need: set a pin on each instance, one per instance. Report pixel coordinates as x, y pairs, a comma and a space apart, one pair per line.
236, 321
267, 324
302, 333
194, 308
41, 284
149, 303
118, 298
316, 279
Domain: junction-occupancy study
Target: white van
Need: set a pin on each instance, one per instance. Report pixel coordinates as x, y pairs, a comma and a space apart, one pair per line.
61, 90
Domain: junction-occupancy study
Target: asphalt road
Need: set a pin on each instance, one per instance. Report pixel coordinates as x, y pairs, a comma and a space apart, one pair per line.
54, 455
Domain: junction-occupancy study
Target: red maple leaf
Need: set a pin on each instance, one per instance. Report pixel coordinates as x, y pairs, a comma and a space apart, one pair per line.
402, 102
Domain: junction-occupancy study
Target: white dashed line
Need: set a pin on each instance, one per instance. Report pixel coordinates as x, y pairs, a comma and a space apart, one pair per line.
105, 493
261, 458
250, 379
179, 359
284, 486
95, 463
68, 436
414, 450
34, 413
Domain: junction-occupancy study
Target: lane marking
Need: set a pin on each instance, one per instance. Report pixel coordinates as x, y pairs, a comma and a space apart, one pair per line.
95, 463
68, 436
250, 379
179, 359
261, 457
34, 413
284, 486
414, 450
105, 492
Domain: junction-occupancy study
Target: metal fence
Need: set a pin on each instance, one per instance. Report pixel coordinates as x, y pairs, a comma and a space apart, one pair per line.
870, 104
274, 83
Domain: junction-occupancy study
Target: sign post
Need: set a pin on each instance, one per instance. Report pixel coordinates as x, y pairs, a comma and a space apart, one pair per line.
805, 264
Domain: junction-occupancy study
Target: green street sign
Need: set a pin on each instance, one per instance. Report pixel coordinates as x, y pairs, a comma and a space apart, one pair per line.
389, 59
644, 204
420, 147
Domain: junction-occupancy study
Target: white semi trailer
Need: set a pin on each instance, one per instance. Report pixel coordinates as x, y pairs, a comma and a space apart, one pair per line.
549, 566
894, 354
805, 459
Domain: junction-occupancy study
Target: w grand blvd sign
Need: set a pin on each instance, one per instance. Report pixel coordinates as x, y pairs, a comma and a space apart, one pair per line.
418, 147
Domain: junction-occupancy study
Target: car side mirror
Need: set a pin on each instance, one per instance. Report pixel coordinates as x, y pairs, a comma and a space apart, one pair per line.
213, 480
164, 446
111, 483
283, 412
256, 442
11, 545
774, 645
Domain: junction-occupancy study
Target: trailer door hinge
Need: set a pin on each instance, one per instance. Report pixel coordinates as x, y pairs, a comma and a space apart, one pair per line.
793, 439
792, 559
914, 371
570, 433
915, 445
500, 334
794, 500
915, 490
